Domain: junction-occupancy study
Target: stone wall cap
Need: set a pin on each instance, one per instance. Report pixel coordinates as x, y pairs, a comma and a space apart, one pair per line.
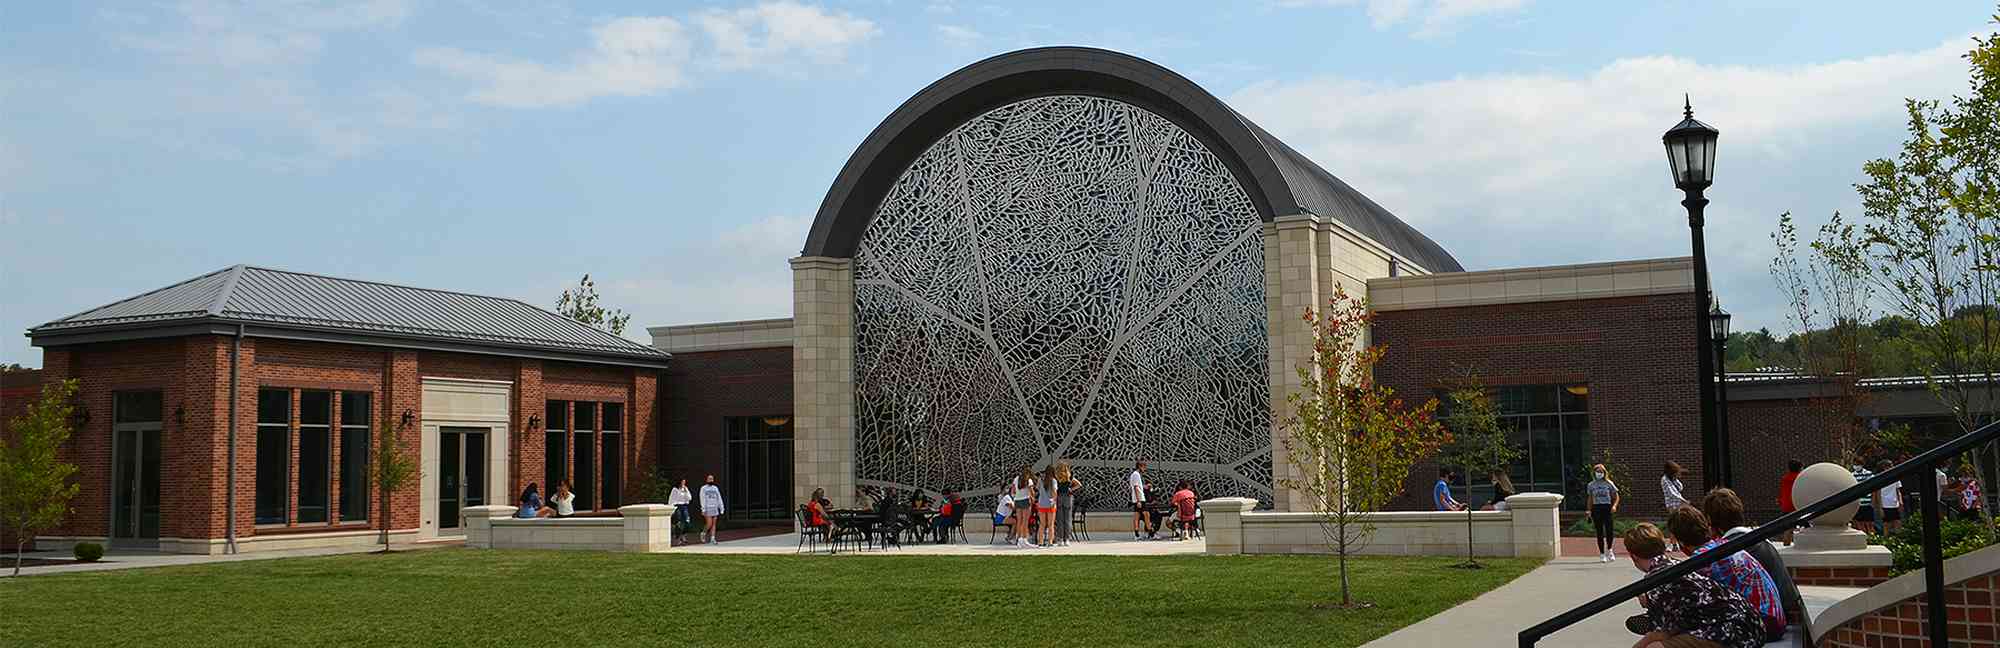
1237, 504
1534, 500
489, 510
646, 510
1869, 556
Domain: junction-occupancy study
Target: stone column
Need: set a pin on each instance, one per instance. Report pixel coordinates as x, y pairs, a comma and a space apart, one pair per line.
1222, 523
1291, 285
823, 378
647, 527
479, 524
1536, 525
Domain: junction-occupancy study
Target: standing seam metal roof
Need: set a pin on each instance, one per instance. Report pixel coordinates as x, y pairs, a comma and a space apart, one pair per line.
281, 297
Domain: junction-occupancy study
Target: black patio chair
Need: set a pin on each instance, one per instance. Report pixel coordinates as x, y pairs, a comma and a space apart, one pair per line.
809, 536
1079, 524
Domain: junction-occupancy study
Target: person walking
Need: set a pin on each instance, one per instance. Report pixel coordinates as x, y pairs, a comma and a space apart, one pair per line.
711, 508
1970, 499
1066, 485
1670, 486
679, 499
1890, 500
1603, 505
1135, 488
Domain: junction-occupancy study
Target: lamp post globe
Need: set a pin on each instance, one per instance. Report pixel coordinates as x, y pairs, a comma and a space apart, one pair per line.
1691, 157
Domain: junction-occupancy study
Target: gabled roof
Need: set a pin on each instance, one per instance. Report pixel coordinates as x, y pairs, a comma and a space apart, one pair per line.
349, 310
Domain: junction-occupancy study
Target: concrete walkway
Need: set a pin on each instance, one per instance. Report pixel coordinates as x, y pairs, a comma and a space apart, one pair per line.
116, 558
1496, 617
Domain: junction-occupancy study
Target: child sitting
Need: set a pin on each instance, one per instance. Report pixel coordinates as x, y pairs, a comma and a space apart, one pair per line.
1691, 611
1739, 572
1184, 510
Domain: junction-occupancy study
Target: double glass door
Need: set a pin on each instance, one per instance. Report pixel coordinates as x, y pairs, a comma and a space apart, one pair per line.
135, 492
461, 472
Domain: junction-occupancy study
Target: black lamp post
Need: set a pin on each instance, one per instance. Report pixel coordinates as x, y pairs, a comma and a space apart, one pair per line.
1718, 328
1691, 155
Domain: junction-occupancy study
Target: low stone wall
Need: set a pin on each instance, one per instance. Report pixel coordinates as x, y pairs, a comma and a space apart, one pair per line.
1893, 613
1529, 528
640, 528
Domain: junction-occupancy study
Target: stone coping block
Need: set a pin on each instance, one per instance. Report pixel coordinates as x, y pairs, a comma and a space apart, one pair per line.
1869, 556
642, 528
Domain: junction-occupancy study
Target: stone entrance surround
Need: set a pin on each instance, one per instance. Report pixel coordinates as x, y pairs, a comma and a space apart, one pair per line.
1527, 529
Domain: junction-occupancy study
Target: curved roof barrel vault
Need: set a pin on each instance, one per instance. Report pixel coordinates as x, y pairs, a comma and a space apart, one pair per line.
1279, 179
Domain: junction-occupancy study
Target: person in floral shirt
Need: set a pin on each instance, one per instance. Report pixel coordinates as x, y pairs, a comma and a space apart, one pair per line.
1691, 611
1969, 497
1738, 572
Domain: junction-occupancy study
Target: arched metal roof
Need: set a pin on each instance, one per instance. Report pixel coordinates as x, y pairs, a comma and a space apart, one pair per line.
1279, 179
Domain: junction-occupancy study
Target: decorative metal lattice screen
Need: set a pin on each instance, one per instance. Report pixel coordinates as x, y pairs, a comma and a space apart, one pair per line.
1065, 277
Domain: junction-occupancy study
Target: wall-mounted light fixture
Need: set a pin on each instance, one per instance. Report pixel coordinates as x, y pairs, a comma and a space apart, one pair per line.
181, 415
534, 422
79, 414
408, 415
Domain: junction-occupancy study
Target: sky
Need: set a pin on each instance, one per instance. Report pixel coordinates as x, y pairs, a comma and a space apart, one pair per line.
676, 151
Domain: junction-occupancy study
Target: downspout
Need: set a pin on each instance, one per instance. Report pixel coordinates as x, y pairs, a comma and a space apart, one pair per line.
229, 493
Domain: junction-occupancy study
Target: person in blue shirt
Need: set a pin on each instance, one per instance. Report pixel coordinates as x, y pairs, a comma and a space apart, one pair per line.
1441, 493
531, 504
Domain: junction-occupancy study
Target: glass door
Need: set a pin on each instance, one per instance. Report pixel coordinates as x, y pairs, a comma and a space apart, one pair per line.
461, 473
135, 466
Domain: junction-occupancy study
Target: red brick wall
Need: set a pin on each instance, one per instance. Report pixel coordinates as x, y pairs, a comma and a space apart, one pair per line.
193, 374
1637, 354
1839, 576
703, 389
1971, 608
1764, 435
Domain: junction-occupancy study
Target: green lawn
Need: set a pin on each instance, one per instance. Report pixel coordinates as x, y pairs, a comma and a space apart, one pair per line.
463, 597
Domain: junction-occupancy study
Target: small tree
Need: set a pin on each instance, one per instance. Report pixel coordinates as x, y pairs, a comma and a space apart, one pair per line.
580, 304
35, 486
1478, 445
1350, 441
392, 471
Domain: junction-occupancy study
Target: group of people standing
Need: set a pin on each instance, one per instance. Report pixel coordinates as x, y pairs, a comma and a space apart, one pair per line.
1049, 498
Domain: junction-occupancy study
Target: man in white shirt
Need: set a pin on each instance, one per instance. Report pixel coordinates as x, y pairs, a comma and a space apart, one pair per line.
711, 508
1890, 500
1135, 486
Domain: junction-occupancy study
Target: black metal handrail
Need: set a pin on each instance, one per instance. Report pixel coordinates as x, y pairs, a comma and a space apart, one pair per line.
1933, 553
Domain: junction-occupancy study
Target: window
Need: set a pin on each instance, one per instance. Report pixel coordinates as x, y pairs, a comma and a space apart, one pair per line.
1550, 426
355, 416
555, 455
274, 455
757, 476
612, 454
584, 470
315, 455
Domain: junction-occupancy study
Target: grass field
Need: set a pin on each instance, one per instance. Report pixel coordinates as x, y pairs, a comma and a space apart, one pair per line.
462, 597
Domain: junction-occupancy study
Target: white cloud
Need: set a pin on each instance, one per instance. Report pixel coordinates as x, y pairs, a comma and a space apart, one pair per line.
627, 57
231, 69
1432, 17
1569, 168
650, 55
773, 33
711, 281
956, 35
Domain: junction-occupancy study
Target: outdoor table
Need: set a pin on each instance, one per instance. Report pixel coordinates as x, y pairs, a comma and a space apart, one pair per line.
921, 519
860, 521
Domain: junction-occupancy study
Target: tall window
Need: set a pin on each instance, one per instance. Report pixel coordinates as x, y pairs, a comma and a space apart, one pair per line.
315, 455
584, 470
757, 478
274, 455
556, 445
1550, 426
355, 416
612, 453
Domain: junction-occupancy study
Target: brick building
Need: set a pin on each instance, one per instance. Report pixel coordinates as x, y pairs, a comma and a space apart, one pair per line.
480, 391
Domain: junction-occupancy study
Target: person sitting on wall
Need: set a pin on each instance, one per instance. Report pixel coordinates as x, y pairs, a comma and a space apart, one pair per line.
1725, 518
563, 499
1441, 493
1739, 572
531, 504
1688, 612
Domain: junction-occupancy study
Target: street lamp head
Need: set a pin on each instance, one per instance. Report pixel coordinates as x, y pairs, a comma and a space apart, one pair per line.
1691, 151
1718, 321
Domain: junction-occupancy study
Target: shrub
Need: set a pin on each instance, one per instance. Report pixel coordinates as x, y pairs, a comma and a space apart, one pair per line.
1959, 537
88, 551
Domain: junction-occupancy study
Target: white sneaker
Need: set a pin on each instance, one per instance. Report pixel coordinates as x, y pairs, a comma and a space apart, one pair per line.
1610, 554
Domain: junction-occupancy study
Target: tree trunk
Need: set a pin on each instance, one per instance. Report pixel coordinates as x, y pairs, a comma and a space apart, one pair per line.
385, 519
1469, 560
1344, 599
20, 545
